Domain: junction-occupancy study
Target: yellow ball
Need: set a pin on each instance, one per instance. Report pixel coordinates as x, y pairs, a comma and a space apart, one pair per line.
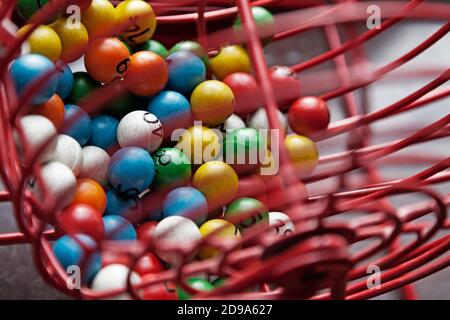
44, 41
218, 182
74, 38
212, 102
200, 144
227, 232
303, 153
230, 59
143, 27
99, 19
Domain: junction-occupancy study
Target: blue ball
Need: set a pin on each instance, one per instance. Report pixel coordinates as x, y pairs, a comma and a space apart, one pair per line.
186, 71
29, 68
131, 170
70, 251
118, 228
81, 127
187, 202
104, 132
128, 207
65, 83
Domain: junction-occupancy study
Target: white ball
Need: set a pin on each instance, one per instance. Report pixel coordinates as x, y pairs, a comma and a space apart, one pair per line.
174, 231
140, 129
259, 120
282, 224
233, 122
68, 152
114, 276
95, 164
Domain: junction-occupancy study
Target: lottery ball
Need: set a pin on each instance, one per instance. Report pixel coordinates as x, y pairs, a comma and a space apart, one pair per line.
74, 39
68, 152
246, 92
217, 181
230, 59
144, 21
281, 223
260, 122
148, 71
27, 70
95, 164
148, 264
78, 250
52, 109
104, 132
172, 109
199, 144
91, 193
308, 116
246, 213
114, 277
197, 284
285, 84
212, 102
131, 170
153, 46
44, 41
218, 282
174, 231
160, 291
233, 122
145, 234
172, 167
186, 71
99, 19
83, 86
107, 59
65, 82
140, 129
81, 218
187, 202
27, 8
118, 228
217, 229
303, 153
126, 206
264, 21
77, 124
193, 47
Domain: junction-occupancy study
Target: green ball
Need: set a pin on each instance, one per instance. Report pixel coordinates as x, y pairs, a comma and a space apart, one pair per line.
120, 106
27, 8
218, 282
83, 86
196, 283
172, 167
264, 21
154, 46
246, 213
193, 47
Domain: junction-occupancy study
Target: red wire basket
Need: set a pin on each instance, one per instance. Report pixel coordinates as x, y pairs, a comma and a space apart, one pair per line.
342, 232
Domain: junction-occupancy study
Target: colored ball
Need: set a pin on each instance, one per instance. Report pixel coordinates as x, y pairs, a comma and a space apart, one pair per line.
27, 8
148, 264
74, 40
131, 170
264, 21
246, 92
99, 19
77, 124
104, 132
95, 164
65, 82
52, 109
149, 73
126, 206
27, 70
233, 122
309, 115
123, 104
192, 46
114, 277
144, 24
200, 144
218, 282
81, 218
153, 46
118, 228
186, 71
160, 291
303, 154
140, 129
68, 152
172, 167
286, 85
44, 41
281, 223
145, 234
247, 213
212, 102
219, 230
91, 193
218, 182
230, 59
83, 86
197, 284
187, 202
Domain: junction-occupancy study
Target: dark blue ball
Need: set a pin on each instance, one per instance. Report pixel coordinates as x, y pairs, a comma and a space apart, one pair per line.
81, 127
104, 132
65, 82
186, 71
187, 202
118, 228
128, 207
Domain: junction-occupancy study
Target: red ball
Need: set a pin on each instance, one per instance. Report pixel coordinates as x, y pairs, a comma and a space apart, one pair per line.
148, 264
161, 291
81, 218
147, 73
286, 85
308, 116
246, 92
111, 257
145, 233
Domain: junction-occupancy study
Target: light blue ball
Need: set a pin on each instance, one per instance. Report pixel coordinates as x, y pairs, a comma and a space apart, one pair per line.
81, 126
118, 228
186, 71
187, 202
65, 82
104, 132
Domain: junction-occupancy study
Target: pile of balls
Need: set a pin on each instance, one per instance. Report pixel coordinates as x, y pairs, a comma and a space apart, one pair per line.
102, 171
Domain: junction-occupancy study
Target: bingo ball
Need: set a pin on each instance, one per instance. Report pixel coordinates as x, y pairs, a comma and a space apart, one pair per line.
145, 234
193, 47
309, 115
144, 23
153, 46
260, 122
83, 86
27, 8
78, 250
65, 82
128, 207
212, 102
264, 21
217, 229
81, 218
140, 129
281, 223
74, 38
95, 164
199, 144
118, 229
197, 284
53, 109
187, 202
148, 264
230, 59
286, 85
44, 41
186, 71
246, 92
233, 122
172, 167
68, 152
115, 277
148, 71
218, 182
27, 70
99, 19
104, 132
159, 291
131, 170
91, 193
107, 59
172, 109
246, 213
77, 124
303, 153
173, 232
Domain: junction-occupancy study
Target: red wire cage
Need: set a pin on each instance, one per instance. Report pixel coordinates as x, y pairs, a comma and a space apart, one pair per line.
326, 257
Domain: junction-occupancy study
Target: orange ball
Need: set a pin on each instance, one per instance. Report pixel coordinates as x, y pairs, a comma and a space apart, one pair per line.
107, 59
91, 193
53, 109
147, 73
